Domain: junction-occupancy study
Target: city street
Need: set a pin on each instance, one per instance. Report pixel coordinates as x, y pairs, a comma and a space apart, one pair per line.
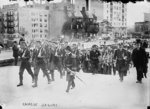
99, 92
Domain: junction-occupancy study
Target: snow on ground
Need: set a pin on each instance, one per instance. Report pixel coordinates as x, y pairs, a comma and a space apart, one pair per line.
100, 91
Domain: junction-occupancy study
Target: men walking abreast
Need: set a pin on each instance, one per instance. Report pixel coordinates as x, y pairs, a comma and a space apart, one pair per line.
120, 56
15, 52
53, 56
39, 62
139, 59
25, 64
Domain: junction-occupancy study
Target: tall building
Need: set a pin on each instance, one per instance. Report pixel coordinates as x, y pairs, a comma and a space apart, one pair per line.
34, 22
10, 21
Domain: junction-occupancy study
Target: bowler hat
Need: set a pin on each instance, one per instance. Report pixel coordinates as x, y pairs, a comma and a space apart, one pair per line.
138, 41
68, 48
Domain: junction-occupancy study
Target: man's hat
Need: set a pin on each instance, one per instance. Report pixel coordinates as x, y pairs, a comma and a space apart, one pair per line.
15, 41
94, 46
138, 41
68, 48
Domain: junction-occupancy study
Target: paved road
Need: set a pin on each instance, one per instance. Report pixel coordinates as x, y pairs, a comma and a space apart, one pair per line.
100, 92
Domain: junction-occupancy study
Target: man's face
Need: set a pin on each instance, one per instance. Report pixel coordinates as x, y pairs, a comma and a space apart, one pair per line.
67, 51
138, 45
74, 46
15, 44
66, 43
121, 46
23, 45
38, 45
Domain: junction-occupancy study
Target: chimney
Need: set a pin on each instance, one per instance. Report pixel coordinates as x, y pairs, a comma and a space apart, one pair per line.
88, 3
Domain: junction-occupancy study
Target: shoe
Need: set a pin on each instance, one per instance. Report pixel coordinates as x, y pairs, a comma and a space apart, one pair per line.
72, 87
43, 75
49, 81
138, 81
19, 85
121, 80
67, 91
34, 86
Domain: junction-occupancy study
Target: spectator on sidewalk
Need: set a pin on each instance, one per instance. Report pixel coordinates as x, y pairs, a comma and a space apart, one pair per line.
139, 58
15, 52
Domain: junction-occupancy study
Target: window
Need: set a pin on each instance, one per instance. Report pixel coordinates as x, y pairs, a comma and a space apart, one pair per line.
45, 20
40, 25
41, 36
41, 31
45, 25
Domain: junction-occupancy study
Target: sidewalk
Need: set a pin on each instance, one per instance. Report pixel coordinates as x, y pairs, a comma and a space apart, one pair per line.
6, 57
7, 54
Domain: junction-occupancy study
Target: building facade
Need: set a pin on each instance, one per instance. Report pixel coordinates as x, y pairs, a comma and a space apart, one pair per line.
34, 23
10, 21
114, 12
143, 28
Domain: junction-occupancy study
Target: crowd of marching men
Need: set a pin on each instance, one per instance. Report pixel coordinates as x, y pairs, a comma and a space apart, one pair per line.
64, 57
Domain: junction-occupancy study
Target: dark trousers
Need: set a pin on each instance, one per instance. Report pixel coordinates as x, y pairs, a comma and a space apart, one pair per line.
52, 75
95, 67
121, 73
25, 65
16, 60
139, 73
59, 65
37, 68
114, 70
145, 70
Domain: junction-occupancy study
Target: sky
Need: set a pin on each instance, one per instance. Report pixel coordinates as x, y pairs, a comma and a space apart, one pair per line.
135, 11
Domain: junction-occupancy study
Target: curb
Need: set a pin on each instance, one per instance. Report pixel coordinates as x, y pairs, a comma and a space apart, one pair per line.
6, 62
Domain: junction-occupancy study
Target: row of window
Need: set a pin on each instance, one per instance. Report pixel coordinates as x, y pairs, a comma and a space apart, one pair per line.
36, 36
41, 25
119, 24
34, 20
37, 30
37, 14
